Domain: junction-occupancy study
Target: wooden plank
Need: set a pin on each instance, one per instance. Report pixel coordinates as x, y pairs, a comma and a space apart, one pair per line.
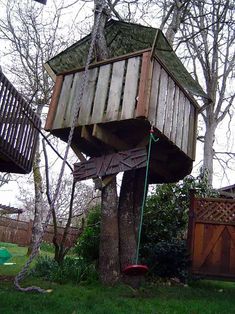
63, 101
208, 234
115, 91
50, 72
161, 109
101, 94
185, 139
108, 138
179, 128
169, 108
210, 245
232, 250
144, 86
216, 255
75, 94
198, 245
191, 132
110, 164
225, 252
78, 153
153, 102
88, 98
175, 114
130, 88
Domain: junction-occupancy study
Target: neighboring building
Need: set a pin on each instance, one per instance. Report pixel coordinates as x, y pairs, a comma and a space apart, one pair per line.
227, 191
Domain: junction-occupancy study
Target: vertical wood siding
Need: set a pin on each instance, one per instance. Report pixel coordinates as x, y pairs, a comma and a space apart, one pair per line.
128, 88
171, 111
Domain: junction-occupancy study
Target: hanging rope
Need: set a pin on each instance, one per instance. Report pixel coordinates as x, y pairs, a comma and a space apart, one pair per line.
151, 139
36, 247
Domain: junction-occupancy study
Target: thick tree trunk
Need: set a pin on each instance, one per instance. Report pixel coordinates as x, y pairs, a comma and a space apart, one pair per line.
109, 236
131, 197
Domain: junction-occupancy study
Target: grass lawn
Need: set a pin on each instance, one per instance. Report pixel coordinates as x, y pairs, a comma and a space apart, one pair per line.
201, 297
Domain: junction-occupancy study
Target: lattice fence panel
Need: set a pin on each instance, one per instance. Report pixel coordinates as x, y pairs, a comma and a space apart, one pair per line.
215, 211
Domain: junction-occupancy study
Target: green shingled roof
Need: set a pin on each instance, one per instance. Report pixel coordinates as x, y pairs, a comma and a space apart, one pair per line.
123, 38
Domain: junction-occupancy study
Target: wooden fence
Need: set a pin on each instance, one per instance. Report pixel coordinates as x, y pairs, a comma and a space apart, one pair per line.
211, 237
20, 232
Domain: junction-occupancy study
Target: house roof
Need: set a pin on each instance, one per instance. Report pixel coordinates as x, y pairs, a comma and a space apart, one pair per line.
4, 209
123, 38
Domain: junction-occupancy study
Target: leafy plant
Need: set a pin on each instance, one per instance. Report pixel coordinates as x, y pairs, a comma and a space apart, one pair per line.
165, 225
168, 258
71, 270
88, 243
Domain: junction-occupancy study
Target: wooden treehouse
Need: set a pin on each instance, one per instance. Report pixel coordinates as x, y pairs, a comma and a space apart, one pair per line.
143, 83
18, 135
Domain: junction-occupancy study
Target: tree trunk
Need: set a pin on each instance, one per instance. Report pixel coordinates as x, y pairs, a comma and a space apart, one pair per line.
208, 152
109, 236
38, 190
131, 197
38, 206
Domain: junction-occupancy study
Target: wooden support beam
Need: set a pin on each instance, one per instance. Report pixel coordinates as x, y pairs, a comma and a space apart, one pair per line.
86, 135
108, 138
78, 153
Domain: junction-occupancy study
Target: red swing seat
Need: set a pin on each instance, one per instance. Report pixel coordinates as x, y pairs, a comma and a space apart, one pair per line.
135, 270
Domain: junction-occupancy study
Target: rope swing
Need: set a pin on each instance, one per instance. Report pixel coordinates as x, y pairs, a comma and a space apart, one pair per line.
136, 268
22, 274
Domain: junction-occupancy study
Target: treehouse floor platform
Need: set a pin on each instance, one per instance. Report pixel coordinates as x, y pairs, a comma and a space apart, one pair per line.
167, 162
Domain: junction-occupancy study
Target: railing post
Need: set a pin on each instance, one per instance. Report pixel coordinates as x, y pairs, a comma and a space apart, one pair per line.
144, 85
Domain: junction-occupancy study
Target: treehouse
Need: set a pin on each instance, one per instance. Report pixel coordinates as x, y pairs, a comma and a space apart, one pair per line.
18, 135
143, 83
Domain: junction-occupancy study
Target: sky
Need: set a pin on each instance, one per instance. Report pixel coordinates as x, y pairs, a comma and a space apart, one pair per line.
71, 21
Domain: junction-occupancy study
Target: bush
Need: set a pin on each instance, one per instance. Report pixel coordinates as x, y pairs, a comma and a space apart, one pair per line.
167, 259
71, 270
165, 226
47, 247
87, 246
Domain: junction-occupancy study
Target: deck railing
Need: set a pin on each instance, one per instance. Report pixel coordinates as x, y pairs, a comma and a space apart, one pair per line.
18, 130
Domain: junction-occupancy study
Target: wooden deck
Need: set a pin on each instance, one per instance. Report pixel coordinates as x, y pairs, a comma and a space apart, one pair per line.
123, 97
18, 136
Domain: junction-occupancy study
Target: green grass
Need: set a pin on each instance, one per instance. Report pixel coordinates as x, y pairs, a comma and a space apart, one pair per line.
201, 297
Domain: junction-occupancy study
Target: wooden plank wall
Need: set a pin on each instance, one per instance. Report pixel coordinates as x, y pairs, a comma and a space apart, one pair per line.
212, 238
126, 88
111, 94
20, 232
171, 111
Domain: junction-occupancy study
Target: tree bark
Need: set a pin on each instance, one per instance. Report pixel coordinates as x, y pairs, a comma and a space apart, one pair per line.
38, 205
131, 197
208, 151
109, 267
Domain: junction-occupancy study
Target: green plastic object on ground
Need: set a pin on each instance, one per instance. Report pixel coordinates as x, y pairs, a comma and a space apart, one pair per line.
4, 256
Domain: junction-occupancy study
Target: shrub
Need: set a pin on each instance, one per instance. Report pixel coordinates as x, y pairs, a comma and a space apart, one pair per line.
87, 246
71, 270
167, 259
47, 247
